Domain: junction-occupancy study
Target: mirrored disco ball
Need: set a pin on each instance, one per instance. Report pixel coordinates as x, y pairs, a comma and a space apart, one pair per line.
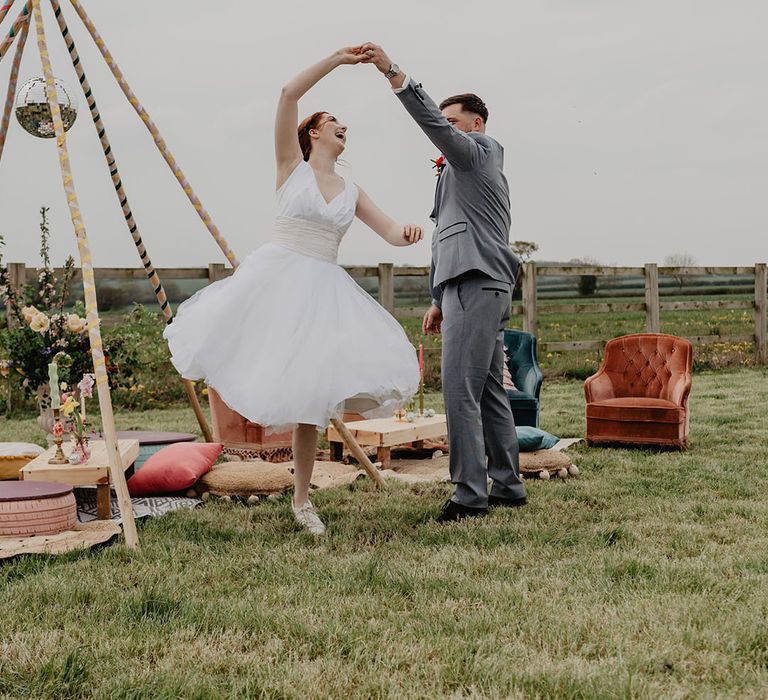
34, 113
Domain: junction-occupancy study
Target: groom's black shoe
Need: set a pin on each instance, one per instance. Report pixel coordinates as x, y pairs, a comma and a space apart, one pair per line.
453, 511
497, 501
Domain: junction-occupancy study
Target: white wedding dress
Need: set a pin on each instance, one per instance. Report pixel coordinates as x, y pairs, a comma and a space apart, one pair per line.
290, 337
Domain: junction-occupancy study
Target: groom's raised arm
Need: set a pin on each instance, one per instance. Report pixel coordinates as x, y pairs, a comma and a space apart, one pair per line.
463, 151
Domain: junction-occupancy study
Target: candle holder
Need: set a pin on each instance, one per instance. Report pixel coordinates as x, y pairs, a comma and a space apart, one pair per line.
58, 438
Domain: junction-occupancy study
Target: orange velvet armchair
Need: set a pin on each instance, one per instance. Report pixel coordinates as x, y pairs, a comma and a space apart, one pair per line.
238, 435
640, 393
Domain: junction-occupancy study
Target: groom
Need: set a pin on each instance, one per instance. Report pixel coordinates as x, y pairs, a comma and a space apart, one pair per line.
472, 276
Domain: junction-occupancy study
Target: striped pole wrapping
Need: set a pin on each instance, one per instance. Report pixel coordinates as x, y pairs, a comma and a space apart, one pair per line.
22, 19
12, 82
159, 141
4, 9
89, 288
152, 276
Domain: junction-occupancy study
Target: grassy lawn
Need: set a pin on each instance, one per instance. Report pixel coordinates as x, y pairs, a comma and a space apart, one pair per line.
646, 577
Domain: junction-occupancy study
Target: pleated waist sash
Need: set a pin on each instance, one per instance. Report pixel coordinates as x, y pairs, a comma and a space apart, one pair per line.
307, 237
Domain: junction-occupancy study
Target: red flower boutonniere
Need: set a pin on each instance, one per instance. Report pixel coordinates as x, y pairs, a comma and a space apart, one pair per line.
439, 164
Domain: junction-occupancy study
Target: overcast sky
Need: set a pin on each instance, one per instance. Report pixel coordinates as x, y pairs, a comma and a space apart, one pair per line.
633, 130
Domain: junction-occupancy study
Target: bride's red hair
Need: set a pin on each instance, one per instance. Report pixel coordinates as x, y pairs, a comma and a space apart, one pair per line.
305, 141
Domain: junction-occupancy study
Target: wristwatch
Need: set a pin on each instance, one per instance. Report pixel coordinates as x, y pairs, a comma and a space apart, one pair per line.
394, 69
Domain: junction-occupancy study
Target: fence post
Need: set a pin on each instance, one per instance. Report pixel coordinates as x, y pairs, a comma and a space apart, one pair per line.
530, 312
652, 319
387, 286
215, 272
761, 308
17, 278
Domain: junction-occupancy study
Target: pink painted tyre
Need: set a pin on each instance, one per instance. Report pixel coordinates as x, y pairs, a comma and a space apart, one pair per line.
30, 508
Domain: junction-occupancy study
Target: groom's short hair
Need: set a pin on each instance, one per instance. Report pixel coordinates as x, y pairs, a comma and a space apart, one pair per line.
469, 103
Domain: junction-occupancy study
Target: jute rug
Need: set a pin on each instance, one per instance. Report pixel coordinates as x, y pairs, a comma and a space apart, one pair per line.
85, 535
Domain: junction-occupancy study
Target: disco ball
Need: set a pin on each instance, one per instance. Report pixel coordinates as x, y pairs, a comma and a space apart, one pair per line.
34, 113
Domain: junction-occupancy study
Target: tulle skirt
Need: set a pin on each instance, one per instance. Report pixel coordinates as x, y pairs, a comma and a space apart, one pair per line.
292, 339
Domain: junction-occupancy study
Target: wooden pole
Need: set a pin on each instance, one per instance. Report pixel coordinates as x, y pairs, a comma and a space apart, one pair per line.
358, 452
216, 272
5, 8
530, 307
761, 309
21, 20
387, 286
89, 288
652, 317
12, 82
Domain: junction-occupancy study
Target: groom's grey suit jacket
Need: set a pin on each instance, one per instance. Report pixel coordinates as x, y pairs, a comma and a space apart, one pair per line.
471, 211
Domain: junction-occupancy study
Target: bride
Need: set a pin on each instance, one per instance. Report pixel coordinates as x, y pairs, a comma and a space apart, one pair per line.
290, 339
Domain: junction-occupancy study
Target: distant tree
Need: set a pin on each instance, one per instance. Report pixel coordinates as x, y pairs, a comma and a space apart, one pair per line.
112, 296
680, 260
587, 284
524, 250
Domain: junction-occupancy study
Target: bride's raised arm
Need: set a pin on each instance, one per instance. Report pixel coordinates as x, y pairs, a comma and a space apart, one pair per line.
287, 150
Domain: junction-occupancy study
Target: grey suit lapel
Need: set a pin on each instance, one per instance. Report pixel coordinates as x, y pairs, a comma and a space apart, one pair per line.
438, 194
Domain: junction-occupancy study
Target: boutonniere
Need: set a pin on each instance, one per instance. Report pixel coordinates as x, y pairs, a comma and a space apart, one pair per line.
438, 164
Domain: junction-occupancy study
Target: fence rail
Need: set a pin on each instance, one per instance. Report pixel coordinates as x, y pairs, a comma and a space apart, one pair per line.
19, 274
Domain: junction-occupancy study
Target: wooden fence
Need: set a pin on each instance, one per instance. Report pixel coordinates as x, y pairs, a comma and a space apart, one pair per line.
19, 274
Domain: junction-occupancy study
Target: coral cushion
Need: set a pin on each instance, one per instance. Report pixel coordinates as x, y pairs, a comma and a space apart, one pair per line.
174, 468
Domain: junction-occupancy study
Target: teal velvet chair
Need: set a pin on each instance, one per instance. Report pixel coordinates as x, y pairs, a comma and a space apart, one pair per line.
520, 355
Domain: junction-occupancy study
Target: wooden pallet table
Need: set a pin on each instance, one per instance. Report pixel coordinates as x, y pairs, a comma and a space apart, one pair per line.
94, 471
385, 433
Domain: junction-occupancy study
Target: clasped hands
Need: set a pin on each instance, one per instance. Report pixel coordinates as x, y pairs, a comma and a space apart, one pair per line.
365, 53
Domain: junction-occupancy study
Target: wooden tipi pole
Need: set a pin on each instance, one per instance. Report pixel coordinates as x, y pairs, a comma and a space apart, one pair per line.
89, 288
12, 82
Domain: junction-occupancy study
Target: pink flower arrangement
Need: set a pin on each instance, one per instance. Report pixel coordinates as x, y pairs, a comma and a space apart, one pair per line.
86, 386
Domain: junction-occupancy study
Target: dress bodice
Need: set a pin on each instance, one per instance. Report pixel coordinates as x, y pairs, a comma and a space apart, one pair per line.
300, 198
305, 222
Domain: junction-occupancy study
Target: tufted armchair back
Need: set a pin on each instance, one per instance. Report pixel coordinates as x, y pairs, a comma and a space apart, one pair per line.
644, 365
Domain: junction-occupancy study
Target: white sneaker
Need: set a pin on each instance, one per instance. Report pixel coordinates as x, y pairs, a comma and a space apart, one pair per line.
308, 518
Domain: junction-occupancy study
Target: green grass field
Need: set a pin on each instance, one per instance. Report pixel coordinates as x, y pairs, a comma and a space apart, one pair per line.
646, 577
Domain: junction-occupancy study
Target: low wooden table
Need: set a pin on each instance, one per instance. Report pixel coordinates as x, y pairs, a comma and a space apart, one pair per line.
94, 471
385, 433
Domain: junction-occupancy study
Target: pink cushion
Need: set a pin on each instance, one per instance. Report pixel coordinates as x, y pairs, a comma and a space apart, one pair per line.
174, 468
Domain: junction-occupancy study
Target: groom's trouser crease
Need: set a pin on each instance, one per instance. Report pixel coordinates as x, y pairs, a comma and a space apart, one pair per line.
480, 424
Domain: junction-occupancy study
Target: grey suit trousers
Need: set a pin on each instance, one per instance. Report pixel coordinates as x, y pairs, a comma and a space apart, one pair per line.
481, 429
